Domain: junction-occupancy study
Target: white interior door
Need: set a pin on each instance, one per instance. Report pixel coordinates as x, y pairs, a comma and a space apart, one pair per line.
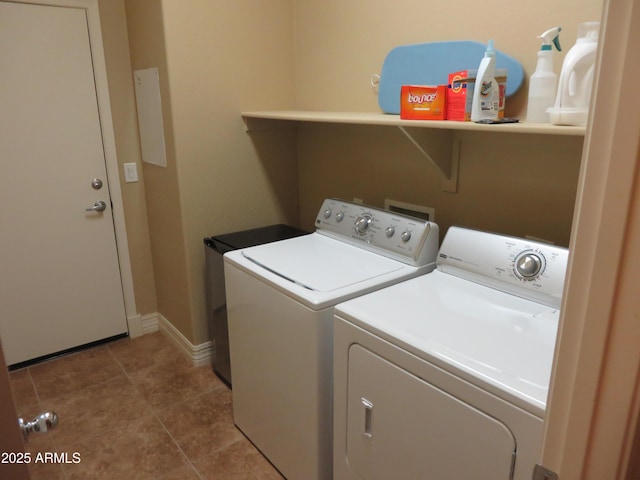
60, 285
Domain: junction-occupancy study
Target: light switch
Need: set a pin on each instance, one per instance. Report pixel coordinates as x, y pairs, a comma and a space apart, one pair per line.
130, 172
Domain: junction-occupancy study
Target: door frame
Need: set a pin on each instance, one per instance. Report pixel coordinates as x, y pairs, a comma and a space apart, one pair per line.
11, 440
109, 146
594, 402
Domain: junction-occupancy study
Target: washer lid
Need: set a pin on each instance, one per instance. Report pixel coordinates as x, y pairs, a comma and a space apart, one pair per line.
320, 263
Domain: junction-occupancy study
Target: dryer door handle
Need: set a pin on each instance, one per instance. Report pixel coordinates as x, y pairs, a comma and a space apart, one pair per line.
368, 418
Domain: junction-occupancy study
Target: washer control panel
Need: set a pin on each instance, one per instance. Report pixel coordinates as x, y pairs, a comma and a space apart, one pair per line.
408, 239
521, 266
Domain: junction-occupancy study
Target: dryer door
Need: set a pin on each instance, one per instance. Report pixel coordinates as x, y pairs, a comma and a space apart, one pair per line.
400, 426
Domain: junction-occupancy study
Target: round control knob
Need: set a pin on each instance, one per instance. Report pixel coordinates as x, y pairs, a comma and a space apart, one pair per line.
326, 213
389, 231
363, 222
528, 265
339, 216
405, 236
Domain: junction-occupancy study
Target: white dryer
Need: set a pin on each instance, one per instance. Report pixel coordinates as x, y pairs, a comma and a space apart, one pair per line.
280, 300
446, 376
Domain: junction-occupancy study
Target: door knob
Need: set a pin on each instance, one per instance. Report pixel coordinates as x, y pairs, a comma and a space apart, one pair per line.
99, 206
42, 423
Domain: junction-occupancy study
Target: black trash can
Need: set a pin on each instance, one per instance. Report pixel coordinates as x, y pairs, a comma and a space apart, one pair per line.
215, 248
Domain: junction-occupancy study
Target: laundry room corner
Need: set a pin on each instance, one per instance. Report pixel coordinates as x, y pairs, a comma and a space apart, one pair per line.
213, 60
127, 145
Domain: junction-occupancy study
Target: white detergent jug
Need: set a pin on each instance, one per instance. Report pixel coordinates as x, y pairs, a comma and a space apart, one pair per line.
576, 78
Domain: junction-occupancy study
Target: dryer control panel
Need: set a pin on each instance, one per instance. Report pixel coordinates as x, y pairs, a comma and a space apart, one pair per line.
408, 239
519, 266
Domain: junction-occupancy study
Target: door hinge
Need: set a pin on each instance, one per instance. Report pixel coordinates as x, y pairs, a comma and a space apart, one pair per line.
541, 473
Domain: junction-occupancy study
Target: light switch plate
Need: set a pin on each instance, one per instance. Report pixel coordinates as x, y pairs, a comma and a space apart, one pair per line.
130, 172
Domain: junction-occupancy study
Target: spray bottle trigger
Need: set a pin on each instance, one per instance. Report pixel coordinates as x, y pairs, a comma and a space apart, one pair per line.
551, 35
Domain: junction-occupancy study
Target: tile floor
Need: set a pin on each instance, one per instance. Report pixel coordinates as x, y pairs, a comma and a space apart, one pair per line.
135, 409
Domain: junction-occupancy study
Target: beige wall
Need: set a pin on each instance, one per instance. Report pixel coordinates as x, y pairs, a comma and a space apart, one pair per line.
219, 58
515, 184
145, 24
123, 111
340, 44
520, 185
215, 59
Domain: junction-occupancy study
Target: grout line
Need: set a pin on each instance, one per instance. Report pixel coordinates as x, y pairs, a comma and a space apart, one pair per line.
178, 446
124, 370
67, 470
33, 385
157, 411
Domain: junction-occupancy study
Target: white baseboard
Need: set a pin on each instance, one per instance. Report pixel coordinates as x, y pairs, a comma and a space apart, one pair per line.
150, 323
135, 326
142, 324
200, 355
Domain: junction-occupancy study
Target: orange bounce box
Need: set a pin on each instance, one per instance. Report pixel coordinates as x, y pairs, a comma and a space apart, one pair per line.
423, 102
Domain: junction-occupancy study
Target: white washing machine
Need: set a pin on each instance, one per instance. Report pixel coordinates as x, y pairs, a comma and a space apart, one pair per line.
445, 376
280, 301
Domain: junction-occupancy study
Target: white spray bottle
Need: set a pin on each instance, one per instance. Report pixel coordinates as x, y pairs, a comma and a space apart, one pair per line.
542, 84
486, 92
